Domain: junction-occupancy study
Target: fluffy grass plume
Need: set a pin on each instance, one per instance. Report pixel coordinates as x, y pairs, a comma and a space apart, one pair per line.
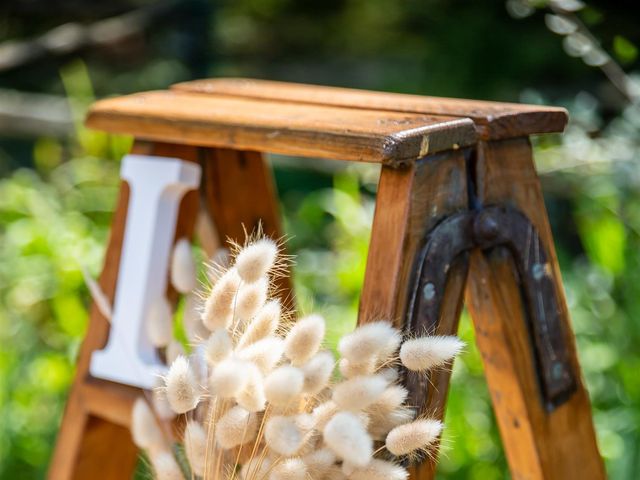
260, 397
348, 438
256, 259
183, 392
183, 268
304, 339
424, 353
236, 427
160, 323
218, 308
414, 436
145, 430
195, 446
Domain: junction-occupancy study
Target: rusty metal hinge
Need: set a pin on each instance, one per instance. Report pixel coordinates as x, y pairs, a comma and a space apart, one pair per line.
487, 228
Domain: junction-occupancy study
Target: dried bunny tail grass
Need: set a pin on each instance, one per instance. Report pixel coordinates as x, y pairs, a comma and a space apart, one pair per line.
358, 393
235, 427
284, 385
389, 411
265, 353
251, 298
373, 340
304, 339
195, 446
279, 267
252, 398
323, 413
257, 468
393, 397
413, 437
228, 378
347, 437
218, 346
349, 369
159, 401
264, 324
192, 319
319, 462
174, 350
183, 392
423, 353
317, 372
284, 435
160, 323
289, 469
218, 308
334, 473
165, 466
183, 268
198, 364
390, 374
256, 259
145, 430
380, 425
380, 470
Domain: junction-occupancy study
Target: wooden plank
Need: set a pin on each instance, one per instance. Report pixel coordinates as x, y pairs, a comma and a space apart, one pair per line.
494, 120
280, 127
409, 203
239, 195
539, 444
98, 411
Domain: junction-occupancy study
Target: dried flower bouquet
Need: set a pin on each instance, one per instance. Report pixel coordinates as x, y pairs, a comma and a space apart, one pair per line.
260, 396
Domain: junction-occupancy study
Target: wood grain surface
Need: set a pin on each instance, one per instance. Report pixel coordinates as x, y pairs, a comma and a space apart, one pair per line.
281, 127
239, 195
493, 120
539, 444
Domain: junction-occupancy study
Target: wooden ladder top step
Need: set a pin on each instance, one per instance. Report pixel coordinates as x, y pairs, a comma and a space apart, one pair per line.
493, 120
315, 121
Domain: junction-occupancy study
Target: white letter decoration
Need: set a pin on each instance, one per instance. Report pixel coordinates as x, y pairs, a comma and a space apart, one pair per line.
157, 184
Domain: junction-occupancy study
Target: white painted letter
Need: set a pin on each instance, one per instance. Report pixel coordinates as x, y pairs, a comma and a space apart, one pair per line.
157, 184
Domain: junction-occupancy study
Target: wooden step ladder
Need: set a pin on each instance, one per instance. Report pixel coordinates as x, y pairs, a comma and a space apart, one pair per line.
459, 214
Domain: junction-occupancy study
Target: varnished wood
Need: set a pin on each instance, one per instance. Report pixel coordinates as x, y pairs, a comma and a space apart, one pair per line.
222, 123
98, 411
494, 120
539, 444
409, 203
239, 195
280, 127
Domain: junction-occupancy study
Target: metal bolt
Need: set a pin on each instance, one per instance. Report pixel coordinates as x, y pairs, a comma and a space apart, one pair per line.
538, 271
557, 371
485, 227
429, 292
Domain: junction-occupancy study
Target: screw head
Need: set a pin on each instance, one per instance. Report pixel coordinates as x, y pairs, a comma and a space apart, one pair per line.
485, 227
538, 271
557, 371
429, 292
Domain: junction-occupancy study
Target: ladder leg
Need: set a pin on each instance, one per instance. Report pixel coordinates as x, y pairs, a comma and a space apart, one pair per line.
239, 194
409, 203
94, 440
539, 443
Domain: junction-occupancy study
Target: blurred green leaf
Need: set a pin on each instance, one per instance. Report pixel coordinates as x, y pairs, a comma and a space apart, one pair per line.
625, 51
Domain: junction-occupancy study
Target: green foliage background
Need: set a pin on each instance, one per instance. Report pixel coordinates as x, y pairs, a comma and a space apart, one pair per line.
56, 194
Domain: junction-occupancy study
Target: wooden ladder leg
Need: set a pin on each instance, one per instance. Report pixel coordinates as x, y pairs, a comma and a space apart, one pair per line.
410, 202
539, 444
94, 439
239, 194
